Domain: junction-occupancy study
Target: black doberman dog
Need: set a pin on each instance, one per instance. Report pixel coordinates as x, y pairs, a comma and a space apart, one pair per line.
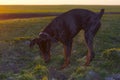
64, 28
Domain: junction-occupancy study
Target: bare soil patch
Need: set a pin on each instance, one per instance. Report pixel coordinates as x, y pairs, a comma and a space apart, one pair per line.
31, 15
25, 15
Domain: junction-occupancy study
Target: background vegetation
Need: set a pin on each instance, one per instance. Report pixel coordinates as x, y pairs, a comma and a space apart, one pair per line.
52, 8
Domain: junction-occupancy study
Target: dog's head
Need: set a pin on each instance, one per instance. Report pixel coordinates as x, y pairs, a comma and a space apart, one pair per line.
44, 45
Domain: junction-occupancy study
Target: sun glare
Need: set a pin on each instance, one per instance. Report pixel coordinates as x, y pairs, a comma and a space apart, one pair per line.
55, 2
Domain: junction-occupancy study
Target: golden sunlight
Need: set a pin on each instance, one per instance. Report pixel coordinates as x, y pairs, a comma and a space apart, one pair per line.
57, 2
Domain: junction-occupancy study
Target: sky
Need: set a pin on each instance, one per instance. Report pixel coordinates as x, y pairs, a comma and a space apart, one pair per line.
59, 2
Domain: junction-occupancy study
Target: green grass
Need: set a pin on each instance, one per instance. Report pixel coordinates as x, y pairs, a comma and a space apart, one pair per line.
19, 62
52, 8
23, 27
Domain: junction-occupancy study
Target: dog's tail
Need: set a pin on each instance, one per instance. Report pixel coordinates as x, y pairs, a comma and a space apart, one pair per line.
100, 14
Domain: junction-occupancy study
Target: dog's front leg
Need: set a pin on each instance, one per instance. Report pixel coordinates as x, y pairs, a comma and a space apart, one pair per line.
67, 54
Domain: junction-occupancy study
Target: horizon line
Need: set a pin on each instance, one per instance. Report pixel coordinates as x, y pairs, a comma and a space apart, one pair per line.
59, 4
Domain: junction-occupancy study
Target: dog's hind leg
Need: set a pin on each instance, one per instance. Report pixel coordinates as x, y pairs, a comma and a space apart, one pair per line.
89, 42
67, 53
89, 35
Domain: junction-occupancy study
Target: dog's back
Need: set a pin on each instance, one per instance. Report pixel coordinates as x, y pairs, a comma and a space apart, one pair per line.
75, 19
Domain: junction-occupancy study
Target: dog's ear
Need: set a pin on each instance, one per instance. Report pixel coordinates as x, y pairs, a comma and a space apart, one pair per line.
100, 14
33, 42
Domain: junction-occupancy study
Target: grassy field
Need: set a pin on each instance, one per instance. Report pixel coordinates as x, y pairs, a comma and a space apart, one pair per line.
19, 62
52, 9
